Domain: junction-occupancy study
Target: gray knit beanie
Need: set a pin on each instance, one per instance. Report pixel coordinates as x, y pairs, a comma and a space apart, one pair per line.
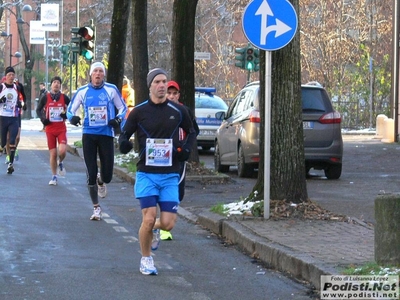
153, 73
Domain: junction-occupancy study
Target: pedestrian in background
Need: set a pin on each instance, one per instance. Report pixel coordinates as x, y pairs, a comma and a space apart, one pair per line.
42, 90
51, 110
128, 94
99, 100
157, 122
10, 107
173, 94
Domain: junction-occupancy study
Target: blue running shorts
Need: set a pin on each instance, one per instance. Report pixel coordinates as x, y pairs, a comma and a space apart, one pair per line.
163, 189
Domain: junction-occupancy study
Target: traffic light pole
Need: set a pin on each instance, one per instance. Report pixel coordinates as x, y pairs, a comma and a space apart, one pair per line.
47, 59
61, 31
70, 74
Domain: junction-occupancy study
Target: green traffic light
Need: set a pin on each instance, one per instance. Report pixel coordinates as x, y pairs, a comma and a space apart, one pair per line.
87, 54
249, 66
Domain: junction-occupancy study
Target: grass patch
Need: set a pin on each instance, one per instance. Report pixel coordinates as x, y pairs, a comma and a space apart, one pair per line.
219, 209
371, 268
127, 161
131, 167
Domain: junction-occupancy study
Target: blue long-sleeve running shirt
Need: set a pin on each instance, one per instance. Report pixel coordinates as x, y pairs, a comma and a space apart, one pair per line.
99, 105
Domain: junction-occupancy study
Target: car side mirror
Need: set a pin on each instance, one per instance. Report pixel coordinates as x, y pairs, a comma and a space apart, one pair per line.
220, 115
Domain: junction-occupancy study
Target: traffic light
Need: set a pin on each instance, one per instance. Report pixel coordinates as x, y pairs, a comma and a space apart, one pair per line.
240, 58
76, 41
88, 41
249, 63
64, 49
84, 41
256, 60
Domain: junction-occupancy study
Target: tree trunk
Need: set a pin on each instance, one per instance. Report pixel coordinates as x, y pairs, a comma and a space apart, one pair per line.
183, 20
29, 63
140, 53
287, 169
288, 176
119, 29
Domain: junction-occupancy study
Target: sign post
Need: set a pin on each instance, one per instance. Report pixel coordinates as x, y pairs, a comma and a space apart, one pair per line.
269, 25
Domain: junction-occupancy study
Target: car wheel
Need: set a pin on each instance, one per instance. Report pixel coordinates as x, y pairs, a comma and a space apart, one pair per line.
244, 170
333, 172
217, 161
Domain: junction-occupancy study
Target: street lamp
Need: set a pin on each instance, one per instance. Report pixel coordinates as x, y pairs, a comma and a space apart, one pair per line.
17, 54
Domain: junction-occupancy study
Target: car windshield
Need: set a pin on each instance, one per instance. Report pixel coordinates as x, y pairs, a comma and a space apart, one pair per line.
208, 102
311, 99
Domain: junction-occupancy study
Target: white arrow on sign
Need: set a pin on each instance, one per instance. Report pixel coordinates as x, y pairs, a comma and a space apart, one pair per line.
264, 10
280, 28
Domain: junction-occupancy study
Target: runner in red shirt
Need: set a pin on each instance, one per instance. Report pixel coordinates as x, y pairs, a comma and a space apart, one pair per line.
52, 112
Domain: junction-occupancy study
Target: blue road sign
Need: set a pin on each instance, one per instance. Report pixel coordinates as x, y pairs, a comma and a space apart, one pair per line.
269, 24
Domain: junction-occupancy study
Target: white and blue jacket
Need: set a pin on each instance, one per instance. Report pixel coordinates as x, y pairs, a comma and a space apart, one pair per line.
98, 105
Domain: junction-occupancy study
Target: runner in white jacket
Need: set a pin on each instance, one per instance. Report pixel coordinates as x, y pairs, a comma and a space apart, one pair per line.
100, 124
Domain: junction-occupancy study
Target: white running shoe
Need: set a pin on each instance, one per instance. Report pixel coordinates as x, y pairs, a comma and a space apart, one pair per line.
101, 188
53, 181
10, 168
156, 239
61, 169
147, 266
96, 214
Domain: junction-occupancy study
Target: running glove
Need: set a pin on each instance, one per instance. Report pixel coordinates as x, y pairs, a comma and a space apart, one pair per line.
125, 147
75, 120
45, 122
124, 144
183, 153
63, 115
115, 123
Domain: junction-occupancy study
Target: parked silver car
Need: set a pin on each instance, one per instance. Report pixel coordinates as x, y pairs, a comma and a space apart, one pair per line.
237, 139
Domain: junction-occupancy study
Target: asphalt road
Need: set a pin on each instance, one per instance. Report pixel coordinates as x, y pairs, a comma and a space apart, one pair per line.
369, 168
49, 249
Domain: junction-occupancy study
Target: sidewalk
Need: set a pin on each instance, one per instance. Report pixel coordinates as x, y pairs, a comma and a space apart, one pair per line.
304, 249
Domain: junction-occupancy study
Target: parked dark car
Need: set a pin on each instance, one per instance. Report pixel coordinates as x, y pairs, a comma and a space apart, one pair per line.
237, 139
